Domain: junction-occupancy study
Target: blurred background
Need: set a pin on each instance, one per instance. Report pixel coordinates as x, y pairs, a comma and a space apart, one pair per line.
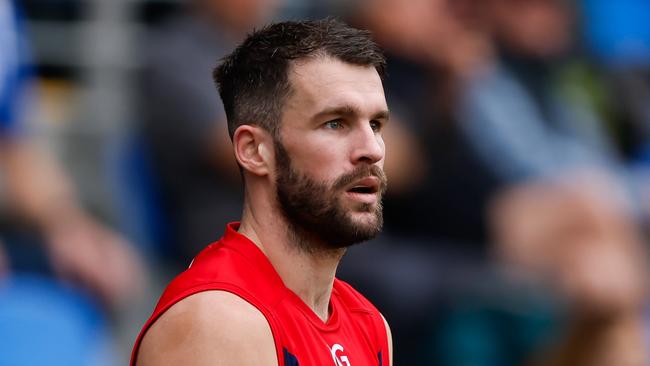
516, 221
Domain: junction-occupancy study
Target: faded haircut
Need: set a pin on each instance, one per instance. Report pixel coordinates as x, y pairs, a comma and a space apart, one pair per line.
253, 80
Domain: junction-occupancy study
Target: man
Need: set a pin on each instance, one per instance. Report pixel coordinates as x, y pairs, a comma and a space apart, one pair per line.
305, 108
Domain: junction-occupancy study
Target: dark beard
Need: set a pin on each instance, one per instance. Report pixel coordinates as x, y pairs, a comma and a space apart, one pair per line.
316, 219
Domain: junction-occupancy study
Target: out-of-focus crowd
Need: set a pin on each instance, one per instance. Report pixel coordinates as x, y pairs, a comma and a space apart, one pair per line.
518, 158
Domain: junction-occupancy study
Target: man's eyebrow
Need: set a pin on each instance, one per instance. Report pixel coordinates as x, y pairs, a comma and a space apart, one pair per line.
385, 115
347, 110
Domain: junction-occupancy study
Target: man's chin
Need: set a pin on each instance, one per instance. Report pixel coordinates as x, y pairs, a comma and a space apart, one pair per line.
369, 223
343, 231
363, 218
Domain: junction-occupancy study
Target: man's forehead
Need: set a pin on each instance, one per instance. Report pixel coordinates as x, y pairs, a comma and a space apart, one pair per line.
315, 67
327, 82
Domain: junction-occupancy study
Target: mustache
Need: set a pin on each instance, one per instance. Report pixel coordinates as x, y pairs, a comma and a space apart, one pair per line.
360, 173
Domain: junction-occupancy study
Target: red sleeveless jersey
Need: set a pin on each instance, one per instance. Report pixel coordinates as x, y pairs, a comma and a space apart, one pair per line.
354, 335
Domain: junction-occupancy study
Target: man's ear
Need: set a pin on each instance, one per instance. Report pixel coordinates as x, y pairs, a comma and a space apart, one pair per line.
251, 145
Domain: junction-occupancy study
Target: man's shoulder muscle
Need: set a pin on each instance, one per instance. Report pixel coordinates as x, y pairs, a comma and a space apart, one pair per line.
207, 328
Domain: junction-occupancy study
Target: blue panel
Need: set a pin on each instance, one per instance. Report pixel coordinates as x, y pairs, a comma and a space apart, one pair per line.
289, 359
618, 31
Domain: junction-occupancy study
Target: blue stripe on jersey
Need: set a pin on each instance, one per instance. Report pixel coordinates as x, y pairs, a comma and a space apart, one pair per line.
289, 359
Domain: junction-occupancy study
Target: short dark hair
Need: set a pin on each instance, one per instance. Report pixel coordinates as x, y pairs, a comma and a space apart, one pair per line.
253, 80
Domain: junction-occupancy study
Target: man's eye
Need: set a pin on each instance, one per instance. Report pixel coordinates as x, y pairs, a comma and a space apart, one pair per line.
334, 125
375, 125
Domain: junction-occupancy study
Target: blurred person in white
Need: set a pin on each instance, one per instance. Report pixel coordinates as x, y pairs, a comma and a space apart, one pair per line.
183, 122
559, 204
37, 196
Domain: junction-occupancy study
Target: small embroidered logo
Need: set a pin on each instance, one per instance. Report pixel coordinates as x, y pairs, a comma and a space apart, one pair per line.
339, 359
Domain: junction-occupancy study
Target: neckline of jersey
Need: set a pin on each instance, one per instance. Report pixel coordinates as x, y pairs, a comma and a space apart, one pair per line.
249, 249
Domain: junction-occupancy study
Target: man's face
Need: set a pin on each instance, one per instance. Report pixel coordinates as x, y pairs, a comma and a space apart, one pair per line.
330, 152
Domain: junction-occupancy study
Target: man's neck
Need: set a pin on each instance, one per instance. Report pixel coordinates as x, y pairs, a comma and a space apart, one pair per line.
310, 275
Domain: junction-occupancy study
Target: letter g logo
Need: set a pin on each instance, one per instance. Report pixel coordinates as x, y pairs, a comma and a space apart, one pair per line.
342, 360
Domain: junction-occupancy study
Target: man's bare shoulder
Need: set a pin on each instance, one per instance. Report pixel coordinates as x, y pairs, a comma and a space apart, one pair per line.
208, 328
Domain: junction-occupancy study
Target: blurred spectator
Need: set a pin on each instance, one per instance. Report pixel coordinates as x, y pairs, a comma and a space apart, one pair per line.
581, 223
38, 195
531, 118
39, 206
184, 126
591, 253
523, 116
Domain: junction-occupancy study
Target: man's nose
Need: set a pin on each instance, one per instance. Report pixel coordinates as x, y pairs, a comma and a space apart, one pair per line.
368, 146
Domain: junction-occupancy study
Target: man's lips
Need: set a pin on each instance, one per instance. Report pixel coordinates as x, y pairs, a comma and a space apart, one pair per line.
367, 185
